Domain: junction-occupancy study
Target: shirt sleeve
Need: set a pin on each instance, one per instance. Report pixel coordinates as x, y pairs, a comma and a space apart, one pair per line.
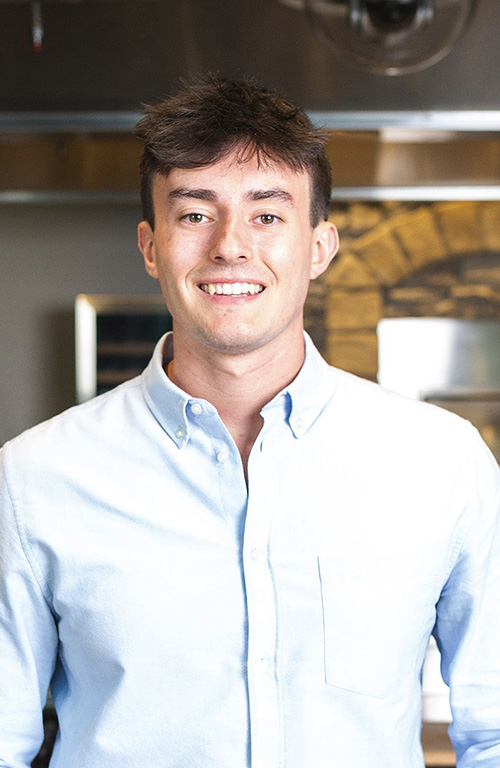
28, 638
468, 619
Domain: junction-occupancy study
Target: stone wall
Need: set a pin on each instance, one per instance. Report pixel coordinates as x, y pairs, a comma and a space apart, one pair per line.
403, 260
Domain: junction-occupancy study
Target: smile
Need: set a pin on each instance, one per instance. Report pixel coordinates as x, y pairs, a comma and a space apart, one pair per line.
232, 289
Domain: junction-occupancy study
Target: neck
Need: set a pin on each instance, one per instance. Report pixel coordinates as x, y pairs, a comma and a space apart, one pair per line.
237, 385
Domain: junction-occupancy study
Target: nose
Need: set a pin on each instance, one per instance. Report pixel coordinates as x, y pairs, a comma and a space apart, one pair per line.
231, 243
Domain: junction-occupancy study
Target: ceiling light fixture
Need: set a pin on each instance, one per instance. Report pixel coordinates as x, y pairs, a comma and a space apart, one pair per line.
389, 37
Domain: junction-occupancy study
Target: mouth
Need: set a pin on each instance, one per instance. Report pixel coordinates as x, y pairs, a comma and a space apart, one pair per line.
232, 289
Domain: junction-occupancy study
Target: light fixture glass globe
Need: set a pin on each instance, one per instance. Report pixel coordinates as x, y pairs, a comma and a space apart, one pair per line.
390, 37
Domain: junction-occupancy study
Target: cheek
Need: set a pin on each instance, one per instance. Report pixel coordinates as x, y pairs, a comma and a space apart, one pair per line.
297, 265
170, 260
175, 271
183, 253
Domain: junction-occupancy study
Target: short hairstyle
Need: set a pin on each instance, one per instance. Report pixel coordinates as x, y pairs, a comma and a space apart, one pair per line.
213, 117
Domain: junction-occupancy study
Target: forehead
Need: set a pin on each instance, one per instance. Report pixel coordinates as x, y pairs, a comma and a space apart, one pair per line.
235, 179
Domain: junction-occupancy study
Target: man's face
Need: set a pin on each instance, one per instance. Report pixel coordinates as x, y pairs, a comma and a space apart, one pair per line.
234, 251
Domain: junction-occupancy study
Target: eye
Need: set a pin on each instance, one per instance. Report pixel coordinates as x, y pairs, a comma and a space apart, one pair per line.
268, 218
194, 218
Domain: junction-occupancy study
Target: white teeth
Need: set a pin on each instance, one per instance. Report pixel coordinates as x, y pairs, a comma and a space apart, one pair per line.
232, 289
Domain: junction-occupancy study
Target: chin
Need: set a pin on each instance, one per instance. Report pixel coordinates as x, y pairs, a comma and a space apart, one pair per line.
235, 343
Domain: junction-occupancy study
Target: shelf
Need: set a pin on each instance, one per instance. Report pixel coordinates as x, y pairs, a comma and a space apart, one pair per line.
437, 747
113, 378
125, 348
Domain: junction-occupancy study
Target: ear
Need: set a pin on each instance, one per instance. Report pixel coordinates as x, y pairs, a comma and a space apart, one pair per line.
146, 243
325, 246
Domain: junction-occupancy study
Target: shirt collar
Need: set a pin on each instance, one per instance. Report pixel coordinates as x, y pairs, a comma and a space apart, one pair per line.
307, 395
301, 401
167, 402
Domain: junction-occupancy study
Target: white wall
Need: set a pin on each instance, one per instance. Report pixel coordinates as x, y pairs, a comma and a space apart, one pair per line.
48, 254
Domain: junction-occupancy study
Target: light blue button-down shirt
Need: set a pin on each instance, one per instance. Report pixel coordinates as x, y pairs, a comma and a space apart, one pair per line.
187, 622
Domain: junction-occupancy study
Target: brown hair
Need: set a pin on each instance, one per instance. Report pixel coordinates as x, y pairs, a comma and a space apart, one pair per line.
212, 117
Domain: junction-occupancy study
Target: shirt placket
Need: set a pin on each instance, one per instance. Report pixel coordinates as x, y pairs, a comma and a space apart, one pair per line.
266, 722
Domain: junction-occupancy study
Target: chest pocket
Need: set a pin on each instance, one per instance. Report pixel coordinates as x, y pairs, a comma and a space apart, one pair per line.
376, 626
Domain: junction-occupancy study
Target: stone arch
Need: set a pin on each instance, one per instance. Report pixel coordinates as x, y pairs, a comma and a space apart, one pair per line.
387, 256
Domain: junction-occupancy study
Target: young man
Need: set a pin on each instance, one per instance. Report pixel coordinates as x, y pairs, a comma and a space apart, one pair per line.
237, 559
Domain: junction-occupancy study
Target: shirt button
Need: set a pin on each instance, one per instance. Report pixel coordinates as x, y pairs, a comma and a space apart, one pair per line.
299, 423
196, 409
222, 457
254, 553
180, 433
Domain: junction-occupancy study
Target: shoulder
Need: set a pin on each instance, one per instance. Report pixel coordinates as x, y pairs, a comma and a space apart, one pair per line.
81, 429
387, 418
423, 451
365, 405
367, 394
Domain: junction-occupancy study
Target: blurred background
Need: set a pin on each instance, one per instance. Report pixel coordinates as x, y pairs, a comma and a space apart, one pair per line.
408, 91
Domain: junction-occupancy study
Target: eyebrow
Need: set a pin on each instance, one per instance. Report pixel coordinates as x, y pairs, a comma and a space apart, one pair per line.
209, 195
196, 194
271, 194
